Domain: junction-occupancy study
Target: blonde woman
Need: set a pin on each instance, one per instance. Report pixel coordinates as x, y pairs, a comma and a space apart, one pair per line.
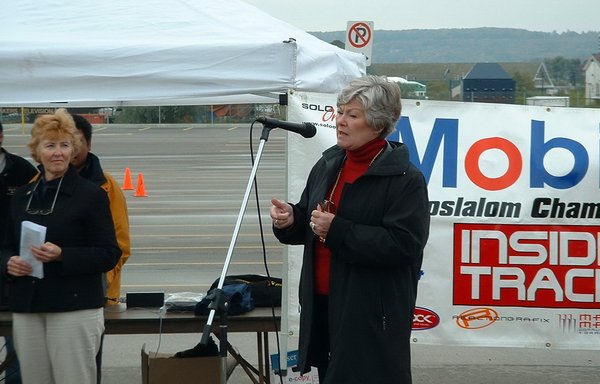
58, 320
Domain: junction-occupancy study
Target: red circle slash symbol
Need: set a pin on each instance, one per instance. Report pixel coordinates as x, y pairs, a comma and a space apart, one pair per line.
359, 35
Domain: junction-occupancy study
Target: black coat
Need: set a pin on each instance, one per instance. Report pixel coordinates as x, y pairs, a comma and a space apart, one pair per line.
377, 240
16, 173
82, 226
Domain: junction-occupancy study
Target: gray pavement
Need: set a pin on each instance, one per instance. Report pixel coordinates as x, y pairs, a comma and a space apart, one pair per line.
431, 364
195, 177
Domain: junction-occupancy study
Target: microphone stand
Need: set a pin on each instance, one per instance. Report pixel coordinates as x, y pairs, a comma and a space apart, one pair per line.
218, 300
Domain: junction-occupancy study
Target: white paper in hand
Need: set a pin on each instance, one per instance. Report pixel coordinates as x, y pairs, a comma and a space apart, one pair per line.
32, 234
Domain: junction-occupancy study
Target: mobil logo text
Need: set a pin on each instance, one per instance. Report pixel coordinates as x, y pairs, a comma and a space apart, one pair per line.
523, 157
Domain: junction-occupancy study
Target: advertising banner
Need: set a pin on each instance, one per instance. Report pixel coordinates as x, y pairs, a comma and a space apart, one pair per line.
513, 257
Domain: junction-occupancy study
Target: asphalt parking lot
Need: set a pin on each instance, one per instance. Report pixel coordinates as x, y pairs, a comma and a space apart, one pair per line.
194, 178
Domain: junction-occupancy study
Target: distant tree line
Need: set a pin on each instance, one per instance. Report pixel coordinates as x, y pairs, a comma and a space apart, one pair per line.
196, 114
468, 45
163, 114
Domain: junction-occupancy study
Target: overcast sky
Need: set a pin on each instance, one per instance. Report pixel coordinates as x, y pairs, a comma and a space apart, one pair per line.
533, 15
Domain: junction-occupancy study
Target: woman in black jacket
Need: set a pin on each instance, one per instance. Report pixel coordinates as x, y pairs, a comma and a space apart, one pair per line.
58, 317
363, 218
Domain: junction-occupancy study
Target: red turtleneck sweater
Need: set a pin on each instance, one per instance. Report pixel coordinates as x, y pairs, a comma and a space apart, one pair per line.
355, 165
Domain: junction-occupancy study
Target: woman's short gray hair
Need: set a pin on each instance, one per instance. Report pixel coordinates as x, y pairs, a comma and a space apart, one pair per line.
380, 99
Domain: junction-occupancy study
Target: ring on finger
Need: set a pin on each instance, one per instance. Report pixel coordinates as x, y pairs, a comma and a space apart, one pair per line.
312, 225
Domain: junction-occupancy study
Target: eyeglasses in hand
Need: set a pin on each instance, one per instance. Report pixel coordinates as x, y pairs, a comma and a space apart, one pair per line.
329, 207
42, 211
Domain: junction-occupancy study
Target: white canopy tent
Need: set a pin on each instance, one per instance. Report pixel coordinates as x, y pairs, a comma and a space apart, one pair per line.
160, 52
166, 52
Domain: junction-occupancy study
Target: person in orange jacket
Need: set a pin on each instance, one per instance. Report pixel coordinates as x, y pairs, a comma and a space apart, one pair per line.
89, 168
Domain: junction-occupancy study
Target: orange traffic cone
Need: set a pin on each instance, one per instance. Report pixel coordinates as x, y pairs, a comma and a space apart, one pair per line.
140, 190
127, 186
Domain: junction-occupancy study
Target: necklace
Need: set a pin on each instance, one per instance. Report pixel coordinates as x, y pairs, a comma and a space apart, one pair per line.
337, 179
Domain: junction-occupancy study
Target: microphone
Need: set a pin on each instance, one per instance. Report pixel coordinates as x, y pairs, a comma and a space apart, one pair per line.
307, 130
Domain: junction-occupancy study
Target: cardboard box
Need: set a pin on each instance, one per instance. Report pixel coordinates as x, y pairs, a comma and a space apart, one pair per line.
162, 369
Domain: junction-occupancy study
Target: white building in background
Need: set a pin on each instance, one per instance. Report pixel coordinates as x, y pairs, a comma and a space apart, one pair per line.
543, 81
416, 90
592, 78
549, 101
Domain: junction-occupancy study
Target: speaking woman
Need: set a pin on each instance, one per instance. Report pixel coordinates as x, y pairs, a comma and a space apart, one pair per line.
363, 218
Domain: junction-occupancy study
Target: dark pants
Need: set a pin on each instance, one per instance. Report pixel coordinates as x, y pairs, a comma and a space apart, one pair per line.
99, 361
321, 336
13, 371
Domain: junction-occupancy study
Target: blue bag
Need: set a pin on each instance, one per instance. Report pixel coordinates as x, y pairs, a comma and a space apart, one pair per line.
239, 298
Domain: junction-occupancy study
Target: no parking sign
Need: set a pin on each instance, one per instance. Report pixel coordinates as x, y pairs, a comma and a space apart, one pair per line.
359, 38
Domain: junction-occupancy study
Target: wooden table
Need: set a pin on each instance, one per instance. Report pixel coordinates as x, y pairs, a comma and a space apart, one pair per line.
119, 320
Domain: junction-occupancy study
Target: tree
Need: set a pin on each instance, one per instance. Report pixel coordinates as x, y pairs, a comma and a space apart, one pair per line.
437, 90
524, 86
167, 115
565, 71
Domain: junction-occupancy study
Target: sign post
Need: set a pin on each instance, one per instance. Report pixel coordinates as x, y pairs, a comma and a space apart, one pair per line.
359, 38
